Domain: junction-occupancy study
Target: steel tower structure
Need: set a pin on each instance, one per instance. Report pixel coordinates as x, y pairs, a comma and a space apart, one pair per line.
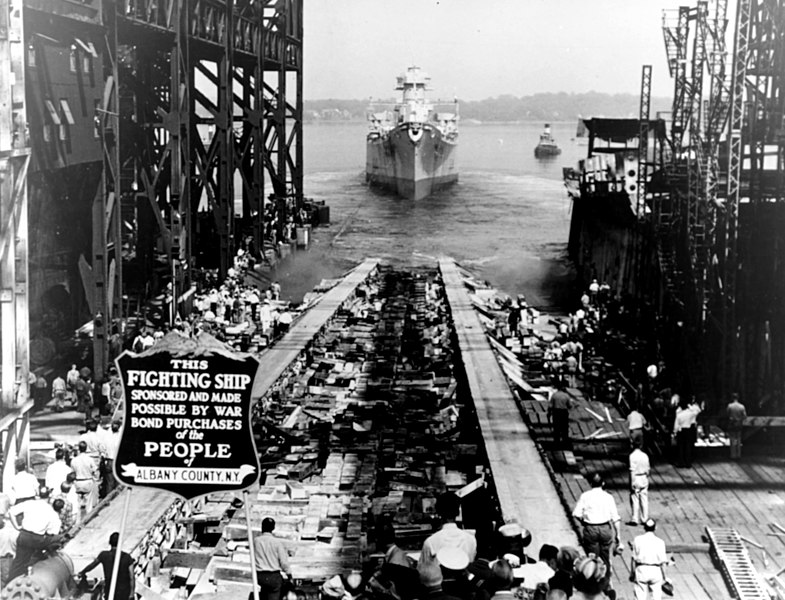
158, 127
727, 159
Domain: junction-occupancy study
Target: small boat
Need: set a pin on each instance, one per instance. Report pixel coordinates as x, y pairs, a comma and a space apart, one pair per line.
547, 145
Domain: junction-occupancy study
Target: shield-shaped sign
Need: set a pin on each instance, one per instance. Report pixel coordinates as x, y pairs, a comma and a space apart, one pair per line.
187, 426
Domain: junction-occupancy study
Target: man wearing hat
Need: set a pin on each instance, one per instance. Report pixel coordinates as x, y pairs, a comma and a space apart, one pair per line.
448, 506
597, 512
272, 559
591, 578
431, 580
647, 563
512, 542
454, 562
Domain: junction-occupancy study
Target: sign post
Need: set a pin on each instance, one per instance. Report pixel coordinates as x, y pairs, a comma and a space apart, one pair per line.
121, 535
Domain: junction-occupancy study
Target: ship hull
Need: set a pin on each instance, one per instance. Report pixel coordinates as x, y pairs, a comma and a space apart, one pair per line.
413, 165
546, 150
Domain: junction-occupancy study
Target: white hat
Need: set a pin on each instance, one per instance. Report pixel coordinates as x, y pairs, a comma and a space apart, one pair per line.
452, 558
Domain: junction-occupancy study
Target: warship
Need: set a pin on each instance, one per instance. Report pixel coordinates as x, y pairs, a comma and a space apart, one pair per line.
412, 144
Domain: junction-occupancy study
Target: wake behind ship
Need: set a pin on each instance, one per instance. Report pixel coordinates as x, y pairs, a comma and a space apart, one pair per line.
412, 145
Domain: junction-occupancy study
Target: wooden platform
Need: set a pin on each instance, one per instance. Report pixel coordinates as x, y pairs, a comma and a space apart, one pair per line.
748, 496
277, 359
147, 507
525, 489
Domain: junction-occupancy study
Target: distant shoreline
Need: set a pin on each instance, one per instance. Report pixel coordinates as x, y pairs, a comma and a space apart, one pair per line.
464, 122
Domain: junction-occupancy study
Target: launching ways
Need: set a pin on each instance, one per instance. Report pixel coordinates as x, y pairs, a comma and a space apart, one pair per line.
745, 496
525, 490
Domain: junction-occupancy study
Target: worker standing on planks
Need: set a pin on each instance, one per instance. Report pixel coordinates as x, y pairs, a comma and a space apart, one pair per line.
560, 404
736, 416
639, 484
597, 512
647, 564
272, 559
125, 587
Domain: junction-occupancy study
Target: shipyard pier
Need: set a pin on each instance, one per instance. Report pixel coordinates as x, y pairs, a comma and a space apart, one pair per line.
209, 352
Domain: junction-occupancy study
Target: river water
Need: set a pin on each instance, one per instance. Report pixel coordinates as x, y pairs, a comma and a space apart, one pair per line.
507, 218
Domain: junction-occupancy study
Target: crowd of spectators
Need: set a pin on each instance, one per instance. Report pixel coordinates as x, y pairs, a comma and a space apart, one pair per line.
36, 514
458, 564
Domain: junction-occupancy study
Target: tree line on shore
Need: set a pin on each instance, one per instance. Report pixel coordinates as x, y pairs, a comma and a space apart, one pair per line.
559, 106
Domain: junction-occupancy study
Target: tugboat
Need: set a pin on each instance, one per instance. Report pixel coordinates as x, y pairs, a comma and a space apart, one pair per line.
547, 145
412, 145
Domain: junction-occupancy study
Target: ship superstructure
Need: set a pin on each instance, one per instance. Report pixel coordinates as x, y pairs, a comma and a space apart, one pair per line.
412, 145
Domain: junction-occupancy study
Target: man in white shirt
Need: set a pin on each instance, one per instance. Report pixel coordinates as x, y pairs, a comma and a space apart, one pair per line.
639, 485
648, 563
57, 472
93, 439
597, 512
533, 574
24, 485
39, 526
58, 393
147, 340
71, 378
72, 496
111, 443
685, 427
86, 473
448, 507
636, 423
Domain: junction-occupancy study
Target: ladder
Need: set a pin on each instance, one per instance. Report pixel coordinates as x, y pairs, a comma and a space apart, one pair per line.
734, 560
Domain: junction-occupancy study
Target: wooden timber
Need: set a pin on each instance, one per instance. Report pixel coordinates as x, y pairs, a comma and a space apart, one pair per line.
149, 507
524, 487
278, 358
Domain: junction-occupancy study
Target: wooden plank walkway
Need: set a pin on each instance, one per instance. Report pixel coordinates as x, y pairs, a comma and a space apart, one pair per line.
524, 487
277, 359
748, 495
147, 507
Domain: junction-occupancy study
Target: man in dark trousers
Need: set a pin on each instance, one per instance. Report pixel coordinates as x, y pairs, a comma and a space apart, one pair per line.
560, 413
597, 512
125, 587
736, 416
272, 559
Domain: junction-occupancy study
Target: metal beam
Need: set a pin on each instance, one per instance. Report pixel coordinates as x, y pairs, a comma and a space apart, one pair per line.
14, 161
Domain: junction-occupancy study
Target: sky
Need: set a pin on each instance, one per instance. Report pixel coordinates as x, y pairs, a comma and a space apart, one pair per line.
478, 49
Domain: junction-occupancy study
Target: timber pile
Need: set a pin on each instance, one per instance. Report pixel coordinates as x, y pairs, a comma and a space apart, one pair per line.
363, 427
